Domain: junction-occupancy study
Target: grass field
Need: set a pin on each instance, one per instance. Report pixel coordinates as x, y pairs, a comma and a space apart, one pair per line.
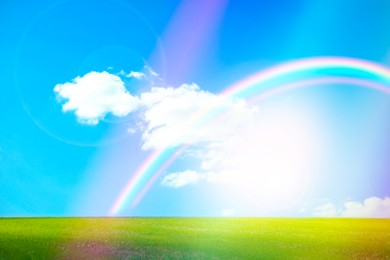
196, 238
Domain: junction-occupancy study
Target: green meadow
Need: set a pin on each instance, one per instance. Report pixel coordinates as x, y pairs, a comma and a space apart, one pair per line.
194, 238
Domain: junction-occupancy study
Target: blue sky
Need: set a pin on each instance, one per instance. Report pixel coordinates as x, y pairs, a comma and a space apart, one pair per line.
90, 89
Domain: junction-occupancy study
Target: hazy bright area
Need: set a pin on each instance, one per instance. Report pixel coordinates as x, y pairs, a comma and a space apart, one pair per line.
270, 108
195, 238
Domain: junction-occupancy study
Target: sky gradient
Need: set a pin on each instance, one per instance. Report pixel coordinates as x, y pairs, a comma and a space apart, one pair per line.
195, 108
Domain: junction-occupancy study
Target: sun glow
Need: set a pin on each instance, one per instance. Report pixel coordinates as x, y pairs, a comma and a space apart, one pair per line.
271, 164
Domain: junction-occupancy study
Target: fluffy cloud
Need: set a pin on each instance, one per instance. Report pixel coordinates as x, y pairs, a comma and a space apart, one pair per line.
372, 207
175, 116
167, 116
94, 95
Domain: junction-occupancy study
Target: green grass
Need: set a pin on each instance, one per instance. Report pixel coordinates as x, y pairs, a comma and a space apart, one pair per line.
197, 238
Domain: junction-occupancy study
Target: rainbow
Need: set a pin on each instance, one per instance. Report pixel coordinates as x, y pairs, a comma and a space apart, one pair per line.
266, 82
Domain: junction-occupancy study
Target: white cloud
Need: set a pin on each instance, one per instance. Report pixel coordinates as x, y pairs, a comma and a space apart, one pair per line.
180, 179
327, 210
372, 207
175, 116
168, 116
94, 95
